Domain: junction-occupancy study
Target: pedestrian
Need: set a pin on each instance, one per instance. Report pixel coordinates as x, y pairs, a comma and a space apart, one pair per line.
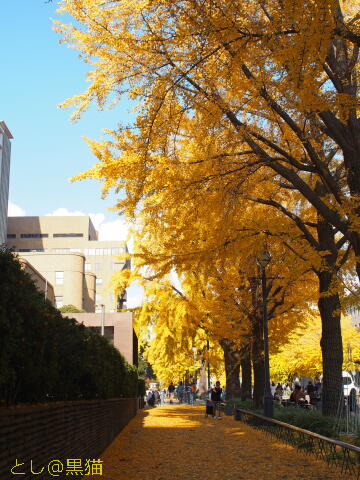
318, 388
162, 396
180, 392
278, 392
272, 388
216, 399
157, 397
150, 399
193, 394
287, 391
188, 393
171, 390
298, 396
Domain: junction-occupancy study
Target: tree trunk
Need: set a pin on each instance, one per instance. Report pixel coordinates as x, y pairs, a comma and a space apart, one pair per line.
232, 368
257, 354
246, 375
329, 308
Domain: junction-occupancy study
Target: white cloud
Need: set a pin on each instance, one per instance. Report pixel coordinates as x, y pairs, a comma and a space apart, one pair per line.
15, 211
116, 230
113, 230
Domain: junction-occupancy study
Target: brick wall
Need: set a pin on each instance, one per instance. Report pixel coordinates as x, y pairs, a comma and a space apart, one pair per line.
75, 430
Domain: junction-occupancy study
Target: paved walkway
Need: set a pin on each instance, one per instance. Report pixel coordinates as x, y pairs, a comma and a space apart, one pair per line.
178, 442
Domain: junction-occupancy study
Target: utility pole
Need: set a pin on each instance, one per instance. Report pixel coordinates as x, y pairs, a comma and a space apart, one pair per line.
102, 319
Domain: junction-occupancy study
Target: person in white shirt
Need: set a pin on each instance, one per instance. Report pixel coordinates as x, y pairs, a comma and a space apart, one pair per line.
273, 388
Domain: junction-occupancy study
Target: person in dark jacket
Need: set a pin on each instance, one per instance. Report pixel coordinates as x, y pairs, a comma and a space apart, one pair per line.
150, 399
216, 399
171, 390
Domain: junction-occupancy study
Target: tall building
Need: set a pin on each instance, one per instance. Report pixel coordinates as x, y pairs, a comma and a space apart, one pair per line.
5, 151
67, 252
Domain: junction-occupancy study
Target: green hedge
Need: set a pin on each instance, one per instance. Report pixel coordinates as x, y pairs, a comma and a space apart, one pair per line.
44, 356
141, 387
312, 420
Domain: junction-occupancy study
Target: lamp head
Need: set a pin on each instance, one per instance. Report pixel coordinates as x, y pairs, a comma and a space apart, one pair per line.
264, 258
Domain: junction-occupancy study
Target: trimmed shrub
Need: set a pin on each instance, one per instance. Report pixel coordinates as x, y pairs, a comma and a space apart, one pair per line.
44, 356
141, 387
311, 420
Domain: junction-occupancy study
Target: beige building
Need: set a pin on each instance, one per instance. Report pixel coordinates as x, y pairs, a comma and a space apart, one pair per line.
118, 328
67, 252
41, 283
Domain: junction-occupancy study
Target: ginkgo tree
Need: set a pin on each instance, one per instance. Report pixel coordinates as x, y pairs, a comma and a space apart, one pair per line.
301, 356
277, 84
217, 296
252, 65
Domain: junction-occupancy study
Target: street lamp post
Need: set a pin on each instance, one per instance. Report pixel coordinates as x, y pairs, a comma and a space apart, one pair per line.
194, 351
102, 320
263, 261
208, 362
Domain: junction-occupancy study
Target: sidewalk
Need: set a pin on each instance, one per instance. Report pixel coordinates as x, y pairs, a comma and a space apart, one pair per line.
167, 443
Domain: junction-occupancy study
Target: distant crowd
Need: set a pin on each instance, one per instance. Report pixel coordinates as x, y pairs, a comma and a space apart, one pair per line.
292, 393
183, 393
286, 394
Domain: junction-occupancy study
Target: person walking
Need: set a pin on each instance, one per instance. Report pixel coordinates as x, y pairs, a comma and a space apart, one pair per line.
188, 394
180, 392
193, 394
162, 396
216, 399
171, 390
157, 397
150, 399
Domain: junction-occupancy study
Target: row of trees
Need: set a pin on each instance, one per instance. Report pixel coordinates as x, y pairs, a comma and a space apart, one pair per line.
45, 356
246, 138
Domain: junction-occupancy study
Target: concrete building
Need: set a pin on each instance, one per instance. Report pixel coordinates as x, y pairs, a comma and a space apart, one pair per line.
67, 252
118, 328
41, 283
5, 152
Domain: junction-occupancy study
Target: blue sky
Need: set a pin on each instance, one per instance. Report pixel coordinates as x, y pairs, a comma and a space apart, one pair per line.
37, 73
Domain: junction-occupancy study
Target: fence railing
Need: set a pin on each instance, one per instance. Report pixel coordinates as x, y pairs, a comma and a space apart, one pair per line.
344, 456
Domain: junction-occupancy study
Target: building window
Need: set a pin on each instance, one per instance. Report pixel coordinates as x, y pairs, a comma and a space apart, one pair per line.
98, 266
98, 298
11, 235
31, 250
116, 267
75, 250
59, 278
61, 250
99, 281
63, 235
87, 267
115, 251
59, 301
34, 235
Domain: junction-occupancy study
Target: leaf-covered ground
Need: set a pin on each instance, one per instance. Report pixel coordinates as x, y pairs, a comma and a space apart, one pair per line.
178, 442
